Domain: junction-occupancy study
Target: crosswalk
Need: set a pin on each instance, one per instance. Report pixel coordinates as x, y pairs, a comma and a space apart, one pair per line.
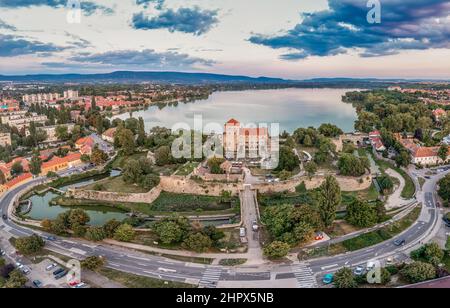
304, 276
210, 277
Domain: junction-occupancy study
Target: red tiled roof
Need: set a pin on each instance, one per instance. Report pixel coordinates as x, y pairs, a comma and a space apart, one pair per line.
61, 160
110, 132
439, 112
18, 179
232, 122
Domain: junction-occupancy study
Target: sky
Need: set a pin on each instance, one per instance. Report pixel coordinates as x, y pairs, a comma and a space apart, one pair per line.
294, 39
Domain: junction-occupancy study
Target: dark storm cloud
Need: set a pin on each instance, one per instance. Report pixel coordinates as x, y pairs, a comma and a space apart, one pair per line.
11, 46
405, 25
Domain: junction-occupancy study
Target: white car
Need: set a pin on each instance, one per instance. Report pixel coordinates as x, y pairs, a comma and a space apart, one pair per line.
242, 232
358, 271
50, 267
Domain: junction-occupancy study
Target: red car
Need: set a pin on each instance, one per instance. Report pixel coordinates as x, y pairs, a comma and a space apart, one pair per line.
319, 236
73, 283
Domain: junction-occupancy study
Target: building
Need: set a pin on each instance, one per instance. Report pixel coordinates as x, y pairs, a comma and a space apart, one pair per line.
70, 94
21, 121
5, 139
241, 142
10, 105
376, 142
16, 181
421, 155
40, 98
109, 134
61, 163
51, 132
85, 145
439, 114
6, 168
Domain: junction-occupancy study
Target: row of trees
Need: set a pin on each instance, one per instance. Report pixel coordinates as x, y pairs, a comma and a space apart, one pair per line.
176, 230
76, 222
140, 172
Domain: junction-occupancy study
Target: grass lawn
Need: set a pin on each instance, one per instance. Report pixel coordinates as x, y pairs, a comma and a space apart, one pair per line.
232, 262
168, 202
187, 168
409, 189
364, 240
135, 281
369, 194
119, 162
115, 184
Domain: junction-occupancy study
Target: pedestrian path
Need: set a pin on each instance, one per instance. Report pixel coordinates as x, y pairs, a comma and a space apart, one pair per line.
210, 278
304, 276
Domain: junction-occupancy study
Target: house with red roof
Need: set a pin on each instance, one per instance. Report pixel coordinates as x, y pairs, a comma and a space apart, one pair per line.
61, 163
85, 145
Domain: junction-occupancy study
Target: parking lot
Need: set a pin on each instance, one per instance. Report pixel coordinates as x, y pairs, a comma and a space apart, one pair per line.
43, 272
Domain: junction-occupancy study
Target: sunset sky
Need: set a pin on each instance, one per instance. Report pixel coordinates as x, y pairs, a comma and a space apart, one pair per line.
293, 39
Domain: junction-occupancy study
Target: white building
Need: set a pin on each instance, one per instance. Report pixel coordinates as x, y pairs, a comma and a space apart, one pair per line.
70, 94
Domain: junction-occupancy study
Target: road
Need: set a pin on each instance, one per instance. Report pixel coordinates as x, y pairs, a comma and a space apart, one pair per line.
301, 274
250, 215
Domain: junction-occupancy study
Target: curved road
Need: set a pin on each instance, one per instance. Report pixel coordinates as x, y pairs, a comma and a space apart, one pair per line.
304, 274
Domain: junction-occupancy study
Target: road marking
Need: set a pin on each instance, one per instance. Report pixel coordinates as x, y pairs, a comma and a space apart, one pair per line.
331, 266
304, 276
210, 278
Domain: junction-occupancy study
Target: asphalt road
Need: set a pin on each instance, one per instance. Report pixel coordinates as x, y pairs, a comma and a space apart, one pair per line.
167, 269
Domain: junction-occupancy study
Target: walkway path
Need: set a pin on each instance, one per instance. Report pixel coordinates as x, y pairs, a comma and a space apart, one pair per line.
395, 200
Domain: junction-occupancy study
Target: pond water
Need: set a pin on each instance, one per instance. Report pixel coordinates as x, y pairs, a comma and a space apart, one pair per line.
99, 215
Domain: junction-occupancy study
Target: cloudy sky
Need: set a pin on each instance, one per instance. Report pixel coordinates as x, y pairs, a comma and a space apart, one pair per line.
280, 38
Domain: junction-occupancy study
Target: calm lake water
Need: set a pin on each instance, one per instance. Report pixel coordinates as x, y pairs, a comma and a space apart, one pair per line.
291, 108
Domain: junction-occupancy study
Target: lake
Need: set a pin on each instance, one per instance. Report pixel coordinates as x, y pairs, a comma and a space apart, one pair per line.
291, 108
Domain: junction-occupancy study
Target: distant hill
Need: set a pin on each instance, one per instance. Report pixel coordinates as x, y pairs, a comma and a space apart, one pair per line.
134, 77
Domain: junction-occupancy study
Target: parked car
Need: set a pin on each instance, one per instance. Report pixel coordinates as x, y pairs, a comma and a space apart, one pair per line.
400, 242
19, 265
51, 238
81, 285
58, 271
358, 271
50, 267
242, 232
370, 266
61, 274
74, 283
446, 219
26, 270
4, 217
328, 279
319, 236
2, 252
37, 283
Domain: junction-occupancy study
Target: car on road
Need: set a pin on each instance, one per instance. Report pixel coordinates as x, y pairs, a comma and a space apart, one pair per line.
51, 266
51, 238
400, 242
358, 271
19, 265
328, 279
2, 252
81, 285
4, 217
37, 284
74, 283
255, 226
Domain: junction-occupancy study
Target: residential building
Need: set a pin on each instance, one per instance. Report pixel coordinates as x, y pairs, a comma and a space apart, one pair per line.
439, 114
85, 145
51, 132
5, 139
109, 134
40, 98
21, 121
70, 94
376, 142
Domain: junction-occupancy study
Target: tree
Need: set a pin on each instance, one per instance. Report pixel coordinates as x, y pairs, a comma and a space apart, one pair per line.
149, 181
95, 234
361, 214
132, 171
311, 169
430, 253
418, 271
386, 184
124, 233
197, 242
214, 164
162, 156
16, 280
330, 130
29, 245
444, 189
287, 159
214, 234
46, 224
303, 232
110, 227
329, 198
93, 263
2, 178
17, 168
169, 232
78, 217
344, 279
443, 152
276, 250
35, 165
350, 165
141, 132
124, 138
98, 157
62, 132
